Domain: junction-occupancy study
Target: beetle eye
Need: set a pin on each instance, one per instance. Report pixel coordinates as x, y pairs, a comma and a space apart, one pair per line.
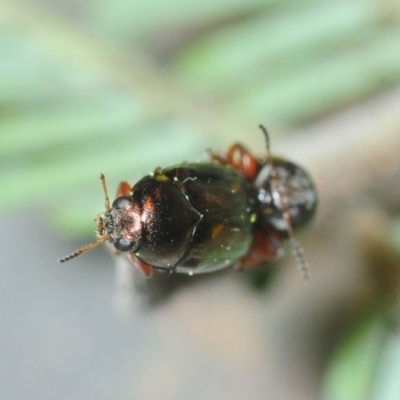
121, 202
123, 244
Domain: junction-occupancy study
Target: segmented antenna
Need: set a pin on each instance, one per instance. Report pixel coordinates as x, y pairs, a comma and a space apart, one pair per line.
85, 249
104, 186
102, 239
264, 130
297, 250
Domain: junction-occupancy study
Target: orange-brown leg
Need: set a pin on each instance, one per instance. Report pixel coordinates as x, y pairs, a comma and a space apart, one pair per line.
145, 269
242, 160
123, 189
239, 158
265, 247
217, 158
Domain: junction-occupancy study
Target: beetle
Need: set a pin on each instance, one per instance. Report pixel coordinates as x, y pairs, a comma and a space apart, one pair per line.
235, 209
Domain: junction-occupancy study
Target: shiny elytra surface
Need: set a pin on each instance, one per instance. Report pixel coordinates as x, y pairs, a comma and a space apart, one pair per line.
198, 217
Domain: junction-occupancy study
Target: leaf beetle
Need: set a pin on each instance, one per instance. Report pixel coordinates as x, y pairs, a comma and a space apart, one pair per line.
235, 209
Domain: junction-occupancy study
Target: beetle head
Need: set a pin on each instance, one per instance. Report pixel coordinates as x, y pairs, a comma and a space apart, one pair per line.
120, 224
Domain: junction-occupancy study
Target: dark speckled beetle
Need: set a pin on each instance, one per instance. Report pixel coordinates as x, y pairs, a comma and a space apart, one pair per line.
195, 218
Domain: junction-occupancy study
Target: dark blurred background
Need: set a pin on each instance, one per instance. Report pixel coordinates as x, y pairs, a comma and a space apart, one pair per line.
123, 87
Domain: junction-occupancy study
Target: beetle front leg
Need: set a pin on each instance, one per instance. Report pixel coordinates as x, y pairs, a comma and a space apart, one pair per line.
124, 189
145, 269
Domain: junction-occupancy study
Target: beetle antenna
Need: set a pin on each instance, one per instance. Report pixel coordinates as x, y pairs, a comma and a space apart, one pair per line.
269, 157
264, 130
85, 249
298, 251
104, 185
102, 239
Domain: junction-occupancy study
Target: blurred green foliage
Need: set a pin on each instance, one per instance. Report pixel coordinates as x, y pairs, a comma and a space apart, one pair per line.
122, 88
351, 375
366, 363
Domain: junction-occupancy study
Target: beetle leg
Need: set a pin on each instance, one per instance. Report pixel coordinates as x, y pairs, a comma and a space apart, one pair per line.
239, 158
265, 247
217, 158
123, 189
145, 269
